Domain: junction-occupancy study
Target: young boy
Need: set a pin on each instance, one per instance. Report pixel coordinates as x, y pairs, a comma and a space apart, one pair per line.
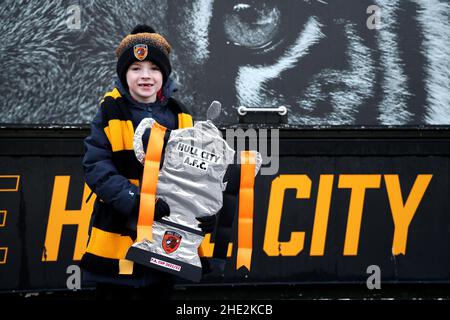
143, 90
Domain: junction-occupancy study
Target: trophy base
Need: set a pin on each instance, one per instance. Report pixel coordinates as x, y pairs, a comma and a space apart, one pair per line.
165, 264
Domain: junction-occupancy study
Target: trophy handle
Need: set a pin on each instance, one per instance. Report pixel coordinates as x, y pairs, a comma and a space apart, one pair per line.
214, 110
138, 145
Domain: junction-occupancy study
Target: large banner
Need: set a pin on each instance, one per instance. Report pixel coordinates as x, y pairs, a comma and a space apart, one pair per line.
338, 208
330, 62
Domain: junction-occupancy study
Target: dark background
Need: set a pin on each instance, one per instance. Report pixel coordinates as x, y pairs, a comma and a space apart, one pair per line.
405, 152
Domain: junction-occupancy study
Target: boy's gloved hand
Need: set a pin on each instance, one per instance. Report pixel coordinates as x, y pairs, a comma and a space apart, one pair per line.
207, 223
161, 209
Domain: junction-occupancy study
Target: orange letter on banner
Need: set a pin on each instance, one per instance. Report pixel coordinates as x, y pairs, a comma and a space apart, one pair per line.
3, 250
358, 183
403, 212
207, 247
59, 217
319, 233
12, 186
272, 246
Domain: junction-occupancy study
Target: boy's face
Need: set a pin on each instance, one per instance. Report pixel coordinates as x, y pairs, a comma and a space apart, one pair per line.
144, 80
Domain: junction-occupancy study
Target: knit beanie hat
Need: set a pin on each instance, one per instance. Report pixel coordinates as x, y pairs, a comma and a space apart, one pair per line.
143, 43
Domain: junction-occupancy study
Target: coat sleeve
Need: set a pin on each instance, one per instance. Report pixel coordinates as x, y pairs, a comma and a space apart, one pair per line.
101, 174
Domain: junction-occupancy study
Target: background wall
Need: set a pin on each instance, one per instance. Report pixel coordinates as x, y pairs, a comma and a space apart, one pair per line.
378, 199
331, 62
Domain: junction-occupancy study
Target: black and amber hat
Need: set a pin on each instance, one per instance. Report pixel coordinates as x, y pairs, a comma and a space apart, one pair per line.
143, 43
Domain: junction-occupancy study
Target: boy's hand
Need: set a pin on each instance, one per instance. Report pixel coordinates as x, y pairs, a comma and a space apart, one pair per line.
162, 209
207, 223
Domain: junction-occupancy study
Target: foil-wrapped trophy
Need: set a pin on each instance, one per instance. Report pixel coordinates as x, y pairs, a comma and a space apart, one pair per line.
191, 182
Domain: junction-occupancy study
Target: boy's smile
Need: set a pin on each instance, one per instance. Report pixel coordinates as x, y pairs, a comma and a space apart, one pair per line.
144, 80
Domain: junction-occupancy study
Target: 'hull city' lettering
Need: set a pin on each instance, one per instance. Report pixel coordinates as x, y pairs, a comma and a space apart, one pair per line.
198, 153
402, 204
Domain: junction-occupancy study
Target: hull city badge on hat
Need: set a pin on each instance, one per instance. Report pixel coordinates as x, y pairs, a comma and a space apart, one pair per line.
171, 241
140, 51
